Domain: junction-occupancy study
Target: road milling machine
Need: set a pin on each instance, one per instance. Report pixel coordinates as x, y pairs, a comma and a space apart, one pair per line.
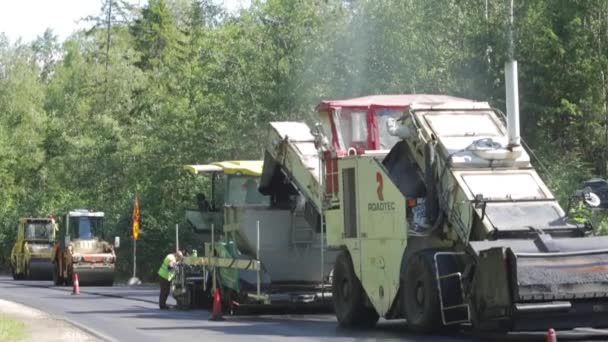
440, 216
31, 254
81, 249
262, 253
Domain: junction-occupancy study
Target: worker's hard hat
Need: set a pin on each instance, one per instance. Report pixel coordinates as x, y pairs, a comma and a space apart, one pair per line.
179, 255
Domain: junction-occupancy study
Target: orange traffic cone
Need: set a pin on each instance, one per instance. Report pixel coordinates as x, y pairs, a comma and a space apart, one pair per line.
76, 287
216, 314
551, 336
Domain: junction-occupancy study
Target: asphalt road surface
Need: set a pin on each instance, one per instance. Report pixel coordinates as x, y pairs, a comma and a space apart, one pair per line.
122, 313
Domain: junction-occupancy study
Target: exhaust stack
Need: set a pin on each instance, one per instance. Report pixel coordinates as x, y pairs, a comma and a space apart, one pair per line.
512, 91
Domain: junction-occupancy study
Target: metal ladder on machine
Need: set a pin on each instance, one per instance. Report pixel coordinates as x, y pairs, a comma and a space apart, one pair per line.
453, 308
301, 233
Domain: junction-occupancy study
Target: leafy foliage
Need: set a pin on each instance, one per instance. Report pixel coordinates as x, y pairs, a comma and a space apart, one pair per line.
117, 110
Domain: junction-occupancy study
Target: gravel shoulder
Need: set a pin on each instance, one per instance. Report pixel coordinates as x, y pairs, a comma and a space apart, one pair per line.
41, 326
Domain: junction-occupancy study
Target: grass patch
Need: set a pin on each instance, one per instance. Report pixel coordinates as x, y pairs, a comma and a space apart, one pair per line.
11, 329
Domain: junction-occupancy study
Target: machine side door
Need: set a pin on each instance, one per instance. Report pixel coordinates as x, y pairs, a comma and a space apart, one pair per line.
383, 233
350, 215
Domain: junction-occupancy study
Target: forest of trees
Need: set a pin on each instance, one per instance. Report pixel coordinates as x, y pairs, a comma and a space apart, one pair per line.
116, 110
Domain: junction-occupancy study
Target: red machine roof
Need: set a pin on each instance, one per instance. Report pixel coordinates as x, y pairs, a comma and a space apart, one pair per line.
389, 101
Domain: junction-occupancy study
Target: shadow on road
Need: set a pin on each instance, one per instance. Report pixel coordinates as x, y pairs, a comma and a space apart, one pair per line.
311, 327
110, 312
301, 329
143, 312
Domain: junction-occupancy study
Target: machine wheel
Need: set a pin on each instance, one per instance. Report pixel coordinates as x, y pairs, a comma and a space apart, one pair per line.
184, 301
228, 296
421, 300
206, 297
203, 300
349, 296
231, 299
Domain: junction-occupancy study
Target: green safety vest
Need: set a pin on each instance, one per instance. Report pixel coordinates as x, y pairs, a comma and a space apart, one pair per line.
164, 271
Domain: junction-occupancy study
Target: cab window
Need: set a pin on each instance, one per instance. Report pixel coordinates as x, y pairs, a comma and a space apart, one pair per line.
86, 228
243, 190
38, 231
351, 128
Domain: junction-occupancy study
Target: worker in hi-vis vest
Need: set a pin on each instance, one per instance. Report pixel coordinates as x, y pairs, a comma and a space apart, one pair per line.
166, 273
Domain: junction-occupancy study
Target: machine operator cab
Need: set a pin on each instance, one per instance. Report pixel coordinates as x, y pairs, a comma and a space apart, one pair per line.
82, 224
370, 125
37, 230
470, 134
85, 225
362, 124
234, 184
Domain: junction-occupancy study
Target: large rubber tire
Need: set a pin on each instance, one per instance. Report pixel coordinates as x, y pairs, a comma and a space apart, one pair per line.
349, 297
421, 299
203, 299
184, 302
